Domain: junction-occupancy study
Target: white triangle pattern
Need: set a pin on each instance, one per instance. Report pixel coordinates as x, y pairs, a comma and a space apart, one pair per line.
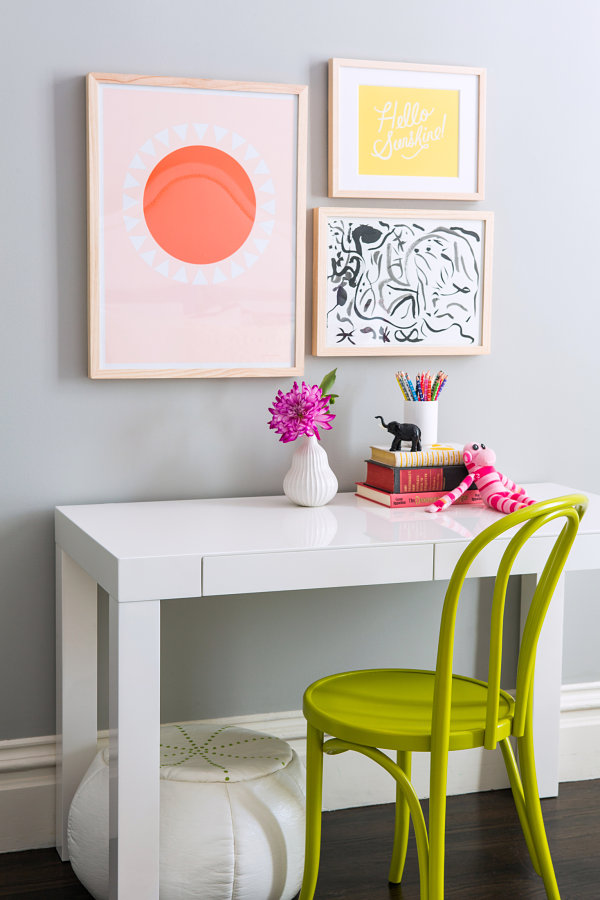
130, 181
149, 256
181, 276
236, 270
130, 223
268, 187
262, 168
149, 148
181, 130
250, 259
251, 152
163, 268
269, 207
268, 226
261, 244
200, 130
218, 276
137, 240
200, 278
163, 137
128, 202
237, 141
136, 162
220, 133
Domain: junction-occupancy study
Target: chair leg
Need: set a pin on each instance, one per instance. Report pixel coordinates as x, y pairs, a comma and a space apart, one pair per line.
336, 745
402, 822
519, 798
314, 792
437, 823
534, 809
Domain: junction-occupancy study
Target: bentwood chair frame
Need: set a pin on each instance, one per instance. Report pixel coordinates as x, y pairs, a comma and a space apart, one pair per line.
328, 708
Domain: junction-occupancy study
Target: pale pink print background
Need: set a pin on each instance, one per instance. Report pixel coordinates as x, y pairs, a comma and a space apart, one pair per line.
150, 319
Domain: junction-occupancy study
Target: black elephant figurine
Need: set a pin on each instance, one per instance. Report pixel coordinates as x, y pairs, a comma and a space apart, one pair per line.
403, 432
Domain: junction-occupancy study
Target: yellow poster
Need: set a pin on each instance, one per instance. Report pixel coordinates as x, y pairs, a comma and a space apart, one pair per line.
407, 131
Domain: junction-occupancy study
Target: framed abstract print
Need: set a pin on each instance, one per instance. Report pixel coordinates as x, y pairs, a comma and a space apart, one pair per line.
398, 130
398, 282
196, 210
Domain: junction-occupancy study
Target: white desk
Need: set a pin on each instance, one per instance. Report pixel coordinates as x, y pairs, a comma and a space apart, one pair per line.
144, 552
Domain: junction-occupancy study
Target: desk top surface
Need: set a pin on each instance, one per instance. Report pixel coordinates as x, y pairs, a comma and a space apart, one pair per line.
265, 524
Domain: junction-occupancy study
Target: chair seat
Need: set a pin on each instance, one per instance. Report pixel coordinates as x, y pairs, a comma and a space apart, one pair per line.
392, 709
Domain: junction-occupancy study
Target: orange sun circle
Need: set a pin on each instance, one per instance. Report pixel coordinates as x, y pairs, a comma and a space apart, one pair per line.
199, 204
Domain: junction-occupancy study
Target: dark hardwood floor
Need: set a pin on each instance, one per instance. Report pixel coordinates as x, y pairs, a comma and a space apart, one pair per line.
486, 857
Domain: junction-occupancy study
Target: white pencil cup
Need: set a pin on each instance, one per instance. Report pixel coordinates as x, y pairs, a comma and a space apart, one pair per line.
423, 413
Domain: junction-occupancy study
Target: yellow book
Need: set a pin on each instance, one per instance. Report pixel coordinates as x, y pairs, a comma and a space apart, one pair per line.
436, 455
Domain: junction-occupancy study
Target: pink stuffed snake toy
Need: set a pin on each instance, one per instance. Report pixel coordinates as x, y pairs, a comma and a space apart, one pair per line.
497, 491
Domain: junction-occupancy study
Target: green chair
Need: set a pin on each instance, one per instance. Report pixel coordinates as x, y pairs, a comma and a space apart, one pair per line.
437, 711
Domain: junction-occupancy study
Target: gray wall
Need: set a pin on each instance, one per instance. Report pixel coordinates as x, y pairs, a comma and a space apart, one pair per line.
66, 439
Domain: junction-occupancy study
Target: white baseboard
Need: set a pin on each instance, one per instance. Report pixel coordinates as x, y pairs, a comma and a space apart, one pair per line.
579, 732
27, 768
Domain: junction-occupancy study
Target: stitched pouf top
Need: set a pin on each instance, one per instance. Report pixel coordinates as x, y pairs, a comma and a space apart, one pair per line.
208, 753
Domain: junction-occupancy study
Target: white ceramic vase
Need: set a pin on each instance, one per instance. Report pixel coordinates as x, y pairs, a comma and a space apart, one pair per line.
310, 481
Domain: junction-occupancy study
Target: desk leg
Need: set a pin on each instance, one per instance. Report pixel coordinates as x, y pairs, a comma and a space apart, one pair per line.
134, 718
547, 685
76, 685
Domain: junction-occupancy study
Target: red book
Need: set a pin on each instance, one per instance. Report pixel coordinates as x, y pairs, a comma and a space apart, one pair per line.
398, 480
410, 500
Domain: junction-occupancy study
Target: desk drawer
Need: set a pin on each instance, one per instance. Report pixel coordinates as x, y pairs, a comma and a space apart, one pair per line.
532, 558
250, 573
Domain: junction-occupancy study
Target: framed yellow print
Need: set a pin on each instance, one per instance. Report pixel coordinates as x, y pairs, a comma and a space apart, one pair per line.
398, 130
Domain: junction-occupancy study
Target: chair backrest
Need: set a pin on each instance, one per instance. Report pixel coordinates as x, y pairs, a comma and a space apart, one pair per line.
530, 519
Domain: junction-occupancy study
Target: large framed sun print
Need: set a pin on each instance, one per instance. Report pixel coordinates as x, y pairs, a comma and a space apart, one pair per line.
401, 282
196, 211
401, 130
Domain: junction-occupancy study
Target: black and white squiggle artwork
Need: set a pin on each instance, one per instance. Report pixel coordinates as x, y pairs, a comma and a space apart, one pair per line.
400, 282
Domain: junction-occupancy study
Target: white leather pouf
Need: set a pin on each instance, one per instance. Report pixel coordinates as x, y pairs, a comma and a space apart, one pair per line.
231, 817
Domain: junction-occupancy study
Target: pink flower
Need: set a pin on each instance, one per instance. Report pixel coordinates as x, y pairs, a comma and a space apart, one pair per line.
300, 411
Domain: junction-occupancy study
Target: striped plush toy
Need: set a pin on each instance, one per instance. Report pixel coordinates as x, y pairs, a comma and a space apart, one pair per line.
496, 489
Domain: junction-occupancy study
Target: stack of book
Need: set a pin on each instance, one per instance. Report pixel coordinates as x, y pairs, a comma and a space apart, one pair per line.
399, 478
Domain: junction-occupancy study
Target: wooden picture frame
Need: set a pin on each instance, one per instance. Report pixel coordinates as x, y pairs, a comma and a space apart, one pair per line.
406, 131
401, 282
196, 227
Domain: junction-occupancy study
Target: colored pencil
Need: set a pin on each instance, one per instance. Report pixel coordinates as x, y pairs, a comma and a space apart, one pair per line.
427, 387
401, 385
